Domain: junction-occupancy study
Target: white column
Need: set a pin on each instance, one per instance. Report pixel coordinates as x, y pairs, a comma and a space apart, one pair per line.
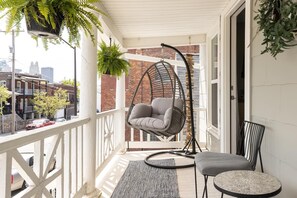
120, 104
203, 75
202, 93
99, 93
87, 108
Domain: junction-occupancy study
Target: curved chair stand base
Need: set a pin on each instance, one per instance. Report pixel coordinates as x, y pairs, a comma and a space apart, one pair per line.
183, 153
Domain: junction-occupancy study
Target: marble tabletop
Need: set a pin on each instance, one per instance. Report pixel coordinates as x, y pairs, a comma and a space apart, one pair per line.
247, 184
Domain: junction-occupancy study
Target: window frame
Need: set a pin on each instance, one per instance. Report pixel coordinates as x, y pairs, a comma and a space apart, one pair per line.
214, 79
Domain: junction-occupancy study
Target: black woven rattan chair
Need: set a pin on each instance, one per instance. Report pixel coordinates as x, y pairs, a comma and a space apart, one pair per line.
164, 112
211, 163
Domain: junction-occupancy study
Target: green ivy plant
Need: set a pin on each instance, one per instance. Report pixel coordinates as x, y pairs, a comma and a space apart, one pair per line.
76, 15
278, 21
110, 61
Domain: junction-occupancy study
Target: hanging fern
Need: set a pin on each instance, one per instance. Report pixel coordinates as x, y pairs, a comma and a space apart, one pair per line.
76, 14
110, 61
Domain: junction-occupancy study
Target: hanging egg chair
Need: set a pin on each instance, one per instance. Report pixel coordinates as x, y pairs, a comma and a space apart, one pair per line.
164, 112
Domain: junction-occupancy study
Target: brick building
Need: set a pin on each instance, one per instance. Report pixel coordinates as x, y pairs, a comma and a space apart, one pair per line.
108, 83
25, 87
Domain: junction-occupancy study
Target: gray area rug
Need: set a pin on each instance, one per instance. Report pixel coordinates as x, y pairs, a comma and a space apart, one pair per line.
141, 180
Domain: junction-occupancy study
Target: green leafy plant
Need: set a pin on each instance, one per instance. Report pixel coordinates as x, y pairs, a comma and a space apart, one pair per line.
70, 82
278, 21
49, 105
4, 95
76, 15
110, 61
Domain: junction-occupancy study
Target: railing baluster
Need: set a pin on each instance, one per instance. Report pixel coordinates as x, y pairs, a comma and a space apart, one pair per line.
73, 160
67, 165
5, 170
132, 135
80, 156
60, 166
102, 140
141, 136
97, 141
38, 166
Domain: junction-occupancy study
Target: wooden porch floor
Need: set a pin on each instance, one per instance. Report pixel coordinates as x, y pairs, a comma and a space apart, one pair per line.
108, 180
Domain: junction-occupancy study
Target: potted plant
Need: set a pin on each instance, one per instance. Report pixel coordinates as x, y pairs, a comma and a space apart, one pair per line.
48, 18
278, 21
110, 61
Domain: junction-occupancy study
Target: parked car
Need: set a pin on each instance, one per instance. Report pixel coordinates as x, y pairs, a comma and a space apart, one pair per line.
17, 181
39, 123
60, 120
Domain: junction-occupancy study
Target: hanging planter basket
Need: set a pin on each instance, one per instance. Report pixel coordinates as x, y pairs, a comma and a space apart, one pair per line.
277, 20
107, 72
110, 61
44, 29
48, 18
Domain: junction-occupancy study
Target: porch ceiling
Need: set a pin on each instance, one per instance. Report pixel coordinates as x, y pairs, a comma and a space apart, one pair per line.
144, 22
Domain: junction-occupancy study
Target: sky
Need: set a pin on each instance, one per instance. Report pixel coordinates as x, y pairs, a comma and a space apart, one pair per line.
60, 57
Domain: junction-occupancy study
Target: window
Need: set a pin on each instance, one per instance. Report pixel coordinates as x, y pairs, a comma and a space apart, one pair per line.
214, 82
3, 83
18, 86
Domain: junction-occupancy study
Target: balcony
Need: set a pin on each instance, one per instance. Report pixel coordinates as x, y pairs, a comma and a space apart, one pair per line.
83, 147
28, 92
65, 143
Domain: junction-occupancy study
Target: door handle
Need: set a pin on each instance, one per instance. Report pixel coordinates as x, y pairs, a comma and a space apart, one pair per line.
232, 98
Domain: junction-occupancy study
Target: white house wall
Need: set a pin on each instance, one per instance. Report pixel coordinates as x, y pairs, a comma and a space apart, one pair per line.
274, 104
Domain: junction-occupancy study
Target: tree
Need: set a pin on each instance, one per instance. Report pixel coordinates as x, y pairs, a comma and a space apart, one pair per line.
4, 95
71, 83
49, 105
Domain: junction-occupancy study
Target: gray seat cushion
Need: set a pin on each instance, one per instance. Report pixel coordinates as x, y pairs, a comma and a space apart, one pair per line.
141, 110
211, 164
148, 123
158, 116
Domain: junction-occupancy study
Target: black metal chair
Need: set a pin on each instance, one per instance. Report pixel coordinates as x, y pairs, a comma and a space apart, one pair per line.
211, 163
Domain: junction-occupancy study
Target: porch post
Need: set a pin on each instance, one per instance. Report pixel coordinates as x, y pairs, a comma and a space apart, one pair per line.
203, 76
202, 121
120, 105
88, 98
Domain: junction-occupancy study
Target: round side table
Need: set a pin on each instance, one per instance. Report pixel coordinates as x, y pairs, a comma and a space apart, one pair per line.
246, 183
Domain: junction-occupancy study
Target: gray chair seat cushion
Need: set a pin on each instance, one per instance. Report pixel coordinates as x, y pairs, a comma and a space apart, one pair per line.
159, 117
141, 110
211, 164
148, 123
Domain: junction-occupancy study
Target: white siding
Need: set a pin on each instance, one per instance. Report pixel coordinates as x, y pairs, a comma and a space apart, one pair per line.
274, 96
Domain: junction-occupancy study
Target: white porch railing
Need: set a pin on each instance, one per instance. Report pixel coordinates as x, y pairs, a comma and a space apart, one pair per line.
108, 136
144, 140
59, 144
63, 143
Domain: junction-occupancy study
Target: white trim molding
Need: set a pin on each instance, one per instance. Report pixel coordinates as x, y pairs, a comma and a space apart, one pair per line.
225, 68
